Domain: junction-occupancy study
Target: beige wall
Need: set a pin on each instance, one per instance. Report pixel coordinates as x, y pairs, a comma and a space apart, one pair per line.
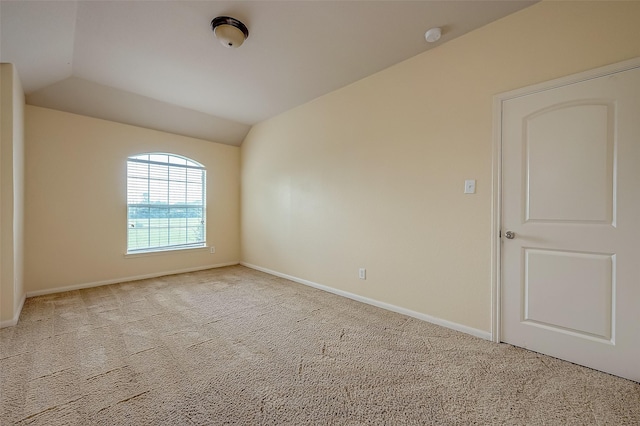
372, 175
11, 194
76, 200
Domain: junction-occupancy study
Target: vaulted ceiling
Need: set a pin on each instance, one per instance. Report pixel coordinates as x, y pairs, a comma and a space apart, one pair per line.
156, 64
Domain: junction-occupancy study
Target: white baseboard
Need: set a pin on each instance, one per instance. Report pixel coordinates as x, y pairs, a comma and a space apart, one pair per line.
125, 279
424, 317
13, 321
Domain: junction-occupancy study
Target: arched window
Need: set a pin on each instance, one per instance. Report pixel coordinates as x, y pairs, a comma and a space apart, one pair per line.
165, 203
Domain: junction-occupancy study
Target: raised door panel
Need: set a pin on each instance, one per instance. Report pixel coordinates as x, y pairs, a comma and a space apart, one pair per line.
569, 163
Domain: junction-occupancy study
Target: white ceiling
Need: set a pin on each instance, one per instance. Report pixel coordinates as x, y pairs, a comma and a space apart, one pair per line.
157, 64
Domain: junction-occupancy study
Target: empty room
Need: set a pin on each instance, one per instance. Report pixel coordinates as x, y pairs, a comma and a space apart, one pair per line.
319, 212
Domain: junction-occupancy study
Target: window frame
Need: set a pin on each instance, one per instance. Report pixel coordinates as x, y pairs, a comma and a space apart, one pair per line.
179, 162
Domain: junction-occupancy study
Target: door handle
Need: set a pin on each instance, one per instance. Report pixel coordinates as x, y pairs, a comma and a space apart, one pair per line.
510, 235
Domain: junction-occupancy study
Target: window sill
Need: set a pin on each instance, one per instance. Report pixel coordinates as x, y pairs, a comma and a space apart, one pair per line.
167, 251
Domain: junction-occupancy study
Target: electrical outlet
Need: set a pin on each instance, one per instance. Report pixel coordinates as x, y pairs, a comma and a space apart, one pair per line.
362, 274
213, 249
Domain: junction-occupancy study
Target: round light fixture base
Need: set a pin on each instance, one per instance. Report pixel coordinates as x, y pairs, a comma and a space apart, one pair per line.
229, 31
433, 35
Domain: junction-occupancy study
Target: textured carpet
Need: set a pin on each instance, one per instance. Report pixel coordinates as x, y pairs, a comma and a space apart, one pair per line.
236, 346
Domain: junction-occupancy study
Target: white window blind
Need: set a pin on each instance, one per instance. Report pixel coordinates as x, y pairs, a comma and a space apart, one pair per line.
165, 203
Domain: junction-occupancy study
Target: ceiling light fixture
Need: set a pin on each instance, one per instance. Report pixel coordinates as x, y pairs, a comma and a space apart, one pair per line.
230, 31
433, 35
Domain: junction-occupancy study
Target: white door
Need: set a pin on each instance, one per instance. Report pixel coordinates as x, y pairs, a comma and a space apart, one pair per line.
570, 278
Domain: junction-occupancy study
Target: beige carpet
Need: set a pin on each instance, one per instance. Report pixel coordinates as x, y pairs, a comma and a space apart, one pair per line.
236, 346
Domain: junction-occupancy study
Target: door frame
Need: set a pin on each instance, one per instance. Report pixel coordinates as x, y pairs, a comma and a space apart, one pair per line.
496, 193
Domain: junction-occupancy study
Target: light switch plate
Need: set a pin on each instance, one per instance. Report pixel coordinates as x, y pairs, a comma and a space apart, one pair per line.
470, 186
